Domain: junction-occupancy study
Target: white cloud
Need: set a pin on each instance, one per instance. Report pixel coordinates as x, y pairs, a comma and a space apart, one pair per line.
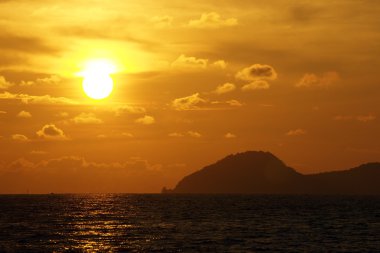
86, 118
30, 99
366, 118
175, 134
191, 102
24, 114
51, 80
220, 64
162, 21
190, 133
256, 85
20, 138
229, 136
189, 62
225, 88
146, 120
127, 135
194, 134
361, 118
129, 109
38, 152
192, 63
234, 102
63, 114
312, 80
4, 84
212, 20
296, 132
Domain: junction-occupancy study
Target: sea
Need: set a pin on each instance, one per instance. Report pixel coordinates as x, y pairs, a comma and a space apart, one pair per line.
188, 223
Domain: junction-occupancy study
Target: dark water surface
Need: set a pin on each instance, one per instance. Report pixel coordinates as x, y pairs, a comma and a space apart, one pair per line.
188, 223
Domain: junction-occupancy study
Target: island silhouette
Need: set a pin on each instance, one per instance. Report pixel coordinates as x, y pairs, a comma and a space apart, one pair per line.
258, 172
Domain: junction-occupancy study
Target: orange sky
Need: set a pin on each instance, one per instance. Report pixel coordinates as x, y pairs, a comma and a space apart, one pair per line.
195, 82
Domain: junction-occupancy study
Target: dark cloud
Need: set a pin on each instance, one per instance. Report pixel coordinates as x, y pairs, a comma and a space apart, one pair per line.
257, 72
242, 52
77, 174
25, 44
51, 132
304, 12
11, 59
105, 33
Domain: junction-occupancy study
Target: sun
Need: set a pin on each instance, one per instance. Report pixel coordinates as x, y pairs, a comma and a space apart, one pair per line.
97, 82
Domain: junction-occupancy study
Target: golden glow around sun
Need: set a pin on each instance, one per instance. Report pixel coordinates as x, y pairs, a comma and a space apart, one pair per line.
97, 82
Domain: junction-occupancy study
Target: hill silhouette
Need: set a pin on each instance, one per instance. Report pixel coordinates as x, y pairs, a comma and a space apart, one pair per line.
259, 172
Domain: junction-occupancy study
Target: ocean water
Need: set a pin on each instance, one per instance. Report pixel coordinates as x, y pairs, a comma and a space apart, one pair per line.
189, 223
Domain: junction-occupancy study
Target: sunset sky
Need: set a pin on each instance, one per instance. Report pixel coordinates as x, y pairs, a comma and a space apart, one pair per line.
193, 82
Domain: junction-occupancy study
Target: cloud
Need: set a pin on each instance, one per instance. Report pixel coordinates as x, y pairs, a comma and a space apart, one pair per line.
366, 118
361, 118
24, 114
234, 102
62, 114
38, 152
25, 44
146, 120
125, 109
192, 63
267, 105
175, 134
256, 85
162, 21
127, 135
20, 165
102, 30
225, 88
20, 138
115, 135
220, 64
4, 84
3, 112
86, 118
363, 150
212, 20
190, 133
51, 80
304, 13
9, 59
191, 102
194, 134
30, 99
344, 117
51, 132
195, 102
296, 132
312, 80
257, 72
229, 136
189, 62
77, 174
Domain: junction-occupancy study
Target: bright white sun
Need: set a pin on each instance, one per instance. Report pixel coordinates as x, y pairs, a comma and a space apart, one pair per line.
97, 82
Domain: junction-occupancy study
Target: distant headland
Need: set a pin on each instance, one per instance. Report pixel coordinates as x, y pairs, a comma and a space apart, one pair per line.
258, 172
